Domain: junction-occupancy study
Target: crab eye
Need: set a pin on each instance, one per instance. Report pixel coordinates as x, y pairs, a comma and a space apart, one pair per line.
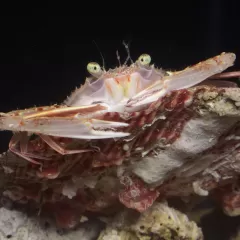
144, 59
94, 69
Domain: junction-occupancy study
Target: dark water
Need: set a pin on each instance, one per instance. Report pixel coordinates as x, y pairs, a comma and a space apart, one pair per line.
219, 226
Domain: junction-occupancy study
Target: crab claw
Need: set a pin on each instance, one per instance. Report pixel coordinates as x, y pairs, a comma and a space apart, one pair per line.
81, 124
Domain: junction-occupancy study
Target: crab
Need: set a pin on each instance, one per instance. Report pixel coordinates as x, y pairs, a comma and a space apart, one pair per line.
129, 137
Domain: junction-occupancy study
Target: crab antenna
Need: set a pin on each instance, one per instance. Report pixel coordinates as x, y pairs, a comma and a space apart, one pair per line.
118, 58
128, 53
103, 63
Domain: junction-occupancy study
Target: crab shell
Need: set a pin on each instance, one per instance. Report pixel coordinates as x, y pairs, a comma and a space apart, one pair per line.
136, 132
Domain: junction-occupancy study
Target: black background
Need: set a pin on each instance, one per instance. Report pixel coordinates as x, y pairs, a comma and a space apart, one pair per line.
43, 53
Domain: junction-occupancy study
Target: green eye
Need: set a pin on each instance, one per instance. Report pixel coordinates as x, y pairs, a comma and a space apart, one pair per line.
144, 59
94, 69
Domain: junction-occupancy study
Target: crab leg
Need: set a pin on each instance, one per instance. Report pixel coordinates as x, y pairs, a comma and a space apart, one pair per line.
219, 83
58, 148
216, 80
226, 75
12, 147
23, 142
189, 77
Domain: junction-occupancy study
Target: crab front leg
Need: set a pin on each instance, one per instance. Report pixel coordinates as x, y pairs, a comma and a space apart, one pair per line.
67, 122
189, 77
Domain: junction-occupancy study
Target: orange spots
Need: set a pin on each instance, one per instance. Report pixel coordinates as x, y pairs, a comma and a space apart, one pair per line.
109, 88
21, 123
117, 80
